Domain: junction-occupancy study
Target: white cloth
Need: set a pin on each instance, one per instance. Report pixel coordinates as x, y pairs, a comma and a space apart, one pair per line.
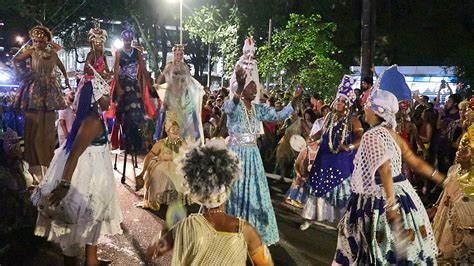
317, 126
385, 105
68, 116
91, 202
376, 147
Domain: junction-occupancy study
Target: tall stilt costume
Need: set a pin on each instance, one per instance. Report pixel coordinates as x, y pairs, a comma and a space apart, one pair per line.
250, 197
330, 174
90, 208
39, 96
131, 80
367, 234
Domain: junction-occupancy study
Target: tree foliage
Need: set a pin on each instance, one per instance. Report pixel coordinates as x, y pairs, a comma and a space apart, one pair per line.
217, 29
303, 52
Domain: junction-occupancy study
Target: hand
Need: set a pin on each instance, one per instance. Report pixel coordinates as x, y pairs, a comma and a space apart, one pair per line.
298, 91
57, 195
240, 76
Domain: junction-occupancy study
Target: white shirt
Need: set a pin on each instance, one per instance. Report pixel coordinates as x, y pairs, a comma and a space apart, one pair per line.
68, 116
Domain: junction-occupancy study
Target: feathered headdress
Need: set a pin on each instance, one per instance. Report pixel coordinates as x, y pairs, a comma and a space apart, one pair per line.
345, 89
97, 34
178, 47
41, 32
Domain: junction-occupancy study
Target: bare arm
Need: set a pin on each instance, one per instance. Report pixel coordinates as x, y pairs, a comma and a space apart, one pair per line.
89, 61
416, 163
255, 246
62, 69
120, 91
90, 128
299, 162
21, 57
155, 151
62, 124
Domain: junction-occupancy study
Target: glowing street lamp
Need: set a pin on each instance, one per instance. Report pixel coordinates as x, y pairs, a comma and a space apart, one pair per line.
118, 44
19, 39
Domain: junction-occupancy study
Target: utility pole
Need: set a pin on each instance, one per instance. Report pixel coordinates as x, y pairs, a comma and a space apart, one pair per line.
367, 37
267, 82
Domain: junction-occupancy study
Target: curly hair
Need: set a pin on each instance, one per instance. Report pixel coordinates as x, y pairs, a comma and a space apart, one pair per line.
206, 169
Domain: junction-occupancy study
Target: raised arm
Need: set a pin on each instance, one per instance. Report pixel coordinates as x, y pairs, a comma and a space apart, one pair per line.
27, 53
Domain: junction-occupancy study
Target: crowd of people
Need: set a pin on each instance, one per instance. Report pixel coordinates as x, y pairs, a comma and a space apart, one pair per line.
374, 159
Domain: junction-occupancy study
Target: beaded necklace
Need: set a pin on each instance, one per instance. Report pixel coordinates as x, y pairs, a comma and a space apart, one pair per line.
345, 129
250, 117
173, 145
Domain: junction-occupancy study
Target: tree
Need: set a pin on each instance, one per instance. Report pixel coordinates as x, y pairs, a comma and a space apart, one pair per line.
303, 52
216, 29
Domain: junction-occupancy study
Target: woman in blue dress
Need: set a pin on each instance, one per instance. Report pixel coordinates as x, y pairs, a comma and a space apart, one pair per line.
250, 198
329, 177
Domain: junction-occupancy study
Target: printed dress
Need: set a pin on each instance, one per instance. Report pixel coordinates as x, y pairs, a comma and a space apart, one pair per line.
250, 198
131, 109
329, 179
365, 236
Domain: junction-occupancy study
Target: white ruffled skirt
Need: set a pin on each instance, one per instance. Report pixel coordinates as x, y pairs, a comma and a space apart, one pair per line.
91, 203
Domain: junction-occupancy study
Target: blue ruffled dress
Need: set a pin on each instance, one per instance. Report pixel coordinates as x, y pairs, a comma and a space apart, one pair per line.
250, 197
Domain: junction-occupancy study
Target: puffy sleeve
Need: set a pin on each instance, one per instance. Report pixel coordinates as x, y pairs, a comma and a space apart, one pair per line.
266, 113
229, 107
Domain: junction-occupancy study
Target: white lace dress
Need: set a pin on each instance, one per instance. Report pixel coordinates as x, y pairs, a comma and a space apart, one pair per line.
365, 236
91, 204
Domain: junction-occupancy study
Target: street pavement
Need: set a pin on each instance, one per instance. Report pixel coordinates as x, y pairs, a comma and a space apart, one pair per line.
314, 246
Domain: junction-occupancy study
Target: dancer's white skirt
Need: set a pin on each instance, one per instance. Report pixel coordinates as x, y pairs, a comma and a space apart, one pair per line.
91, 204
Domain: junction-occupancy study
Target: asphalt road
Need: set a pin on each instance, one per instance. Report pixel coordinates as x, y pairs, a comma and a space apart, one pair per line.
314, 246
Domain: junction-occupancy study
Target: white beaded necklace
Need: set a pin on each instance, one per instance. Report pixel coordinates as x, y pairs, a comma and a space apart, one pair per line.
250, 115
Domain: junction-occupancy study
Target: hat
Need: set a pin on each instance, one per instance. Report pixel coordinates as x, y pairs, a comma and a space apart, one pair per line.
345, 89
41, 32
385, 105
128, 34
97, 34
393, 81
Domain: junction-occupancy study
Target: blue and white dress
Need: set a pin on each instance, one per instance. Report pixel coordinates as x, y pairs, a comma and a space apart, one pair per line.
329, 178
250, 197
365, 236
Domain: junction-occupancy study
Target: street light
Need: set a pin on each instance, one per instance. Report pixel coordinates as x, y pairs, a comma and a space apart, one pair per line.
19, 39
118, 44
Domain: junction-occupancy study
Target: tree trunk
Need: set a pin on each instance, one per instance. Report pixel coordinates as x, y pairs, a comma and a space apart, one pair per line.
367, 37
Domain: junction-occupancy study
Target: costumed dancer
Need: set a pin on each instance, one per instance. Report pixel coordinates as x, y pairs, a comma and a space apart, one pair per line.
250, 197
385, 222
330, 174
178, 57
77, 201
39, 97
132, 92
159, 170
298, 193
211, 237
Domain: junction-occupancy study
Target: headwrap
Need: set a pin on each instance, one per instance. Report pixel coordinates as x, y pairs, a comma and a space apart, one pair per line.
128, 34
393, 81
385, 105
345, 89
97, 35
41, 33
249, 64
